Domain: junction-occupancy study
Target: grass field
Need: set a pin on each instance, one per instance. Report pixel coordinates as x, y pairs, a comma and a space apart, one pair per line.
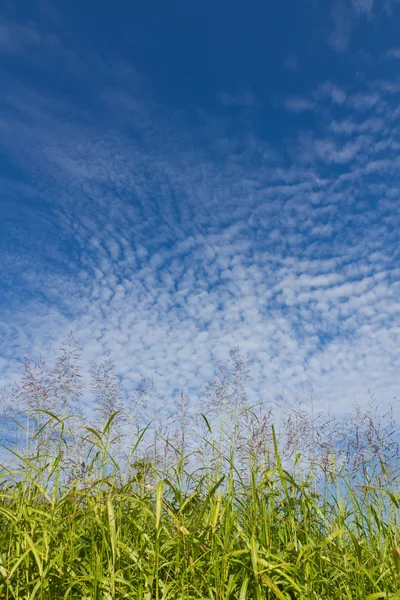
229, 509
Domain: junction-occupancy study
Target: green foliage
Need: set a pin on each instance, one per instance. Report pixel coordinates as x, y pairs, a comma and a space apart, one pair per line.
84, 517
219, 538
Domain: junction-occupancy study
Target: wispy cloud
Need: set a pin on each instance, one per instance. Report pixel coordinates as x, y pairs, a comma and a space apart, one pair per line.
292, 63
363, 6
15, 37
331, 91
342, 23
345, 16
297, 104
244, 99
168, 249
393, 53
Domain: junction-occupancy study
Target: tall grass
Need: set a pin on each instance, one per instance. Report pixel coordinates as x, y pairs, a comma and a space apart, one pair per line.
223, 504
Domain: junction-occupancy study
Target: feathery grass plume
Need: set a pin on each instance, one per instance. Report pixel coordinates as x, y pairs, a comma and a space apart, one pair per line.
106, 387
9, 430
225, 403
65, 385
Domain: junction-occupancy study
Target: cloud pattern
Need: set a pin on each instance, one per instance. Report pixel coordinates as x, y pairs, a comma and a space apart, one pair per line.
168, 238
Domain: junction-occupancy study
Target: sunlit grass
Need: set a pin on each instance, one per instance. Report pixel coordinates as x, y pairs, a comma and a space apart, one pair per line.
83, 517
113, 537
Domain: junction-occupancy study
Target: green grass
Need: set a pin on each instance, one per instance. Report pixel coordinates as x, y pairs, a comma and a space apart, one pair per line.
109, 536
225, 516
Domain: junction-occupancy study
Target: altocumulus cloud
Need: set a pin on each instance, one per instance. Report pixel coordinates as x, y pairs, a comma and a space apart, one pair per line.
169, 241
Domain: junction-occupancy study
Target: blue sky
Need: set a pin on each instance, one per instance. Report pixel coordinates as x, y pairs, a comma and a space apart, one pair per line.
180, 177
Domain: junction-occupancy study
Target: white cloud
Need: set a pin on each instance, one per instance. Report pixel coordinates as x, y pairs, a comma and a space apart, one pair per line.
344, 17
393, 53
342, 20
332, 91
364, 101
169, 250
330, 151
